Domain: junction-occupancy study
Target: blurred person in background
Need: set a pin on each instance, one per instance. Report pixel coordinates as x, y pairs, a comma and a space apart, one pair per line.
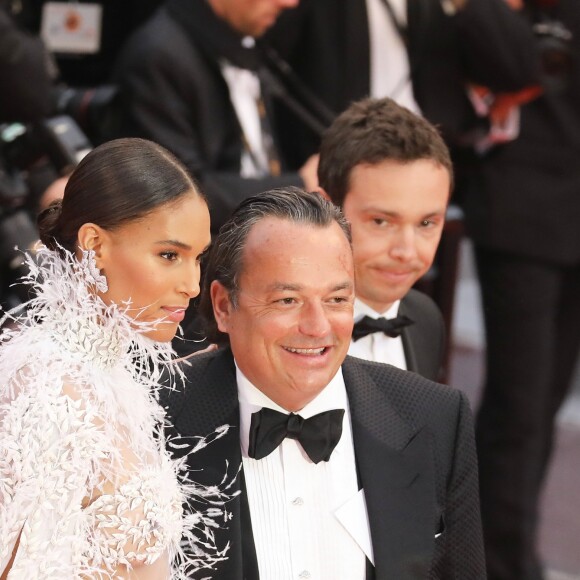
522, 212
192, 79
420, 53
26, 73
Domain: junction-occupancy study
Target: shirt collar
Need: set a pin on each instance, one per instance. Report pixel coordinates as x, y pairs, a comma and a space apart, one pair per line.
361, 309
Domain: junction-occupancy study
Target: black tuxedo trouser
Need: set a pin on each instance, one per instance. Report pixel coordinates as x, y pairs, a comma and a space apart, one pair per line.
532, 321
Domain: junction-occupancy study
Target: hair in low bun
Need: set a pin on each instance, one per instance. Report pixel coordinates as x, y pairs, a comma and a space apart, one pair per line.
48, 225
117, 182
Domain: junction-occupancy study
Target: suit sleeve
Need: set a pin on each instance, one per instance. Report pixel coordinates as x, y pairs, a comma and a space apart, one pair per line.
461, 554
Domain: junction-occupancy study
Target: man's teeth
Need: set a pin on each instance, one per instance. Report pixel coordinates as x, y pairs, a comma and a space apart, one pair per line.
306, 350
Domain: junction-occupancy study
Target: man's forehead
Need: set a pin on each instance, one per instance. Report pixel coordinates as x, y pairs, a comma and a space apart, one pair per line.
293, 244
277, 230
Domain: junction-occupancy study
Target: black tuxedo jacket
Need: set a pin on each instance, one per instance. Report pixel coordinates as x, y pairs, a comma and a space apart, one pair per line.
327, 44
416, 459
173, 92
424, 340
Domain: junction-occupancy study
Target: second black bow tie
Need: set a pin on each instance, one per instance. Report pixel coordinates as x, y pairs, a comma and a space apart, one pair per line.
390, 326
318, 435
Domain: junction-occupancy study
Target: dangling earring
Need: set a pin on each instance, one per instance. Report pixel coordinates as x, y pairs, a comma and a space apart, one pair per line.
92, 274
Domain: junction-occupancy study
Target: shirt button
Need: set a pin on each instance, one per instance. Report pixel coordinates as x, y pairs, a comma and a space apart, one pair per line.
304, 574
298, 501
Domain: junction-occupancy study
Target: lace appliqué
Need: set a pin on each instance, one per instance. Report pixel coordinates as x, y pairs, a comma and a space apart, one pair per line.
138, 522
86, 338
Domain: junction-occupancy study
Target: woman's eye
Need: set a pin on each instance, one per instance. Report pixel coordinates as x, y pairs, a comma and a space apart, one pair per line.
171, 256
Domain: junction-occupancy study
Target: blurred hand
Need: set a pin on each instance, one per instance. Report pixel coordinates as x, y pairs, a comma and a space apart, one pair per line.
309, 173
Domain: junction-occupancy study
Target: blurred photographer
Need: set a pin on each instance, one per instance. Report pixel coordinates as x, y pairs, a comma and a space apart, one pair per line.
36, 149
26, 73
522, 212
26, 77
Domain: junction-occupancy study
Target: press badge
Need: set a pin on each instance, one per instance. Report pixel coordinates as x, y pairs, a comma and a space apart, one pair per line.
71, 27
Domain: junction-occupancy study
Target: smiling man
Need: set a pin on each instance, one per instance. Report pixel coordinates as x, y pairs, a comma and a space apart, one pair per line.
390, 172
350, 470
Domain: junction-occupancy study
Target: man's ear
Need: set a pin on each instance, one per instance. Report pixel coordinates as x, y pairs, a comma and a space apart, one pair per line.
222, 305
323, 193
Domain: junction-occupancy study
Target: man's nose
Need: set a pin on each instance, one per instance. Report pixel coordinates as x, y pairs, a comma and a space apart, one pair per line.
404, 244
314, 320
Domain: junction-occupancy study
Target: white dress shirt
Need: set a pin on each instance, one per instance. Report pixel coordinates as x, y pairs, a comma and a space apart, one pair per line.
244, 89
308, 520
377, 346
389, 60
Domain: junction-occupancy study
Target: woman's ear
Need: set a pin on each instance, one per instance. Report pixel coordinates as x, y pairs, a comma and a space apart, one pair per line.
92, 237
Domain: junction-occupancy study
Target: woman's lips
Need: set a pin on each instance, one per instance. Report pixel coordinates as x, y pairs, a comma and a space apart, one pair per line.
175, 314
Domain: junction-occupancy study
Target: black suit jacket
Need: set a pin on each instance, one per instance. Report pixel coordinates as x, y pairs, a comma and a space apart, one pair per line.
415, 453
327, 44
424, 340
172, 92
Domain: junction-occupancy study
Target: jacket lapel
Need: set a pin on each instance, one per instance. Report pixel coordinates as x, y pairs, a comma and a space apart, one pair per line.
397, 474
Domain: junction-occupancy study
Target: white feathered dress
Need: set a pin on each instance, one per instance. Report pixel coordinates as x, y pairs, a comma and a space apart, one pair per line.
85, 481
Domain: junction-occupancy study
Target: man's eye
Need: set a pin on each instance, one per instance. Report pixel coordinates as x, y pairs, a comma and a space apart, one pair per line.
286, 301
339, 299
380, 221
429, 224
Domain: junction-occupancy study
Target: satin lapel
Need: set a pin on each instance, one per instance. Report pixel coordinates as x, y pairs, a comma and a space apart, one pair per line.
397, 474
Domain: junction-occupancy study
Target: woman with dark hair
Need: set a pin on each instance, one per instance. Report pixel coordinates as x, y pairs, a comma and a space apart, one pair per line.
87, 489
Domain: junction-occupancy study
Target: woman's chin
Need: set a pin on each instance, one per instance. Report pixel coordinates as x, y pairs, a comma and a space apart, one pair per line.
163, 332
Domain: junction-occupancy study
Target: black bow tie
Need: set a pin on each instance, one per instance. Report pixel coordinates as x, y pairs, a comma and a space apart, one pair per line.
390, 326
317, 435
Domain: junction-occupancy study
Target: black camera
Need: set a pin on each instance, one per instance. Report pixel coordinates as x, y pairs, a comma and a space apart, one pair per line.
31, 158
96, 110
554, 44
